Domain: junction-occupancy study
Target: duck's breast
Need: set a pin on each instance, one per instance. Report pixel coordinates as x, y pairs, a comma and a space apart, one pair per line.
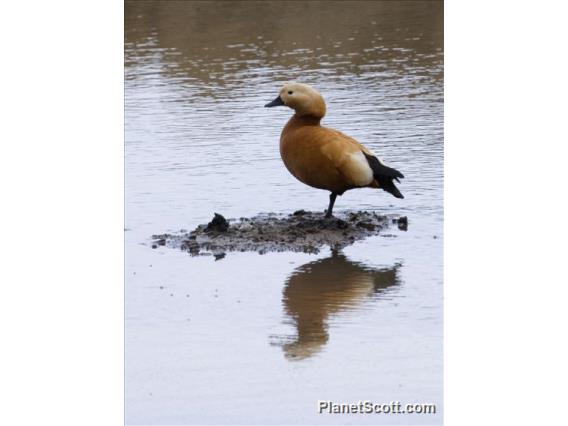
304, 157
324, 158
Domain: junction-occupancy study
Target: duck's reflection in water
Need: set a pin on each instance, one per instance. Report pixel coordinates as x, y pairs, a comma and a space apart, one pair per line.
317, 290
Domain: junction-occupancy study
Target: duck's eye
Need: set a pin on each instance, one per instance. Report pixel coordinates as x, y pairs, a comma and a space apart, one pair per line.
290, 92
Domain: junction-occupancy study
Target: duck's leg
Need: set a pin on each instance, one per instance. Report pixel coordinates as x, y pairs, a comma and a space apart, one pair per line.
332, 198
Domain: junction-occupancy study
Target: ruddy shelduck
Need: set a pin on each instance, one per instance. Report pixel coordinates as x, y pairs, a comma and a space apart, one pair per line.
325, 158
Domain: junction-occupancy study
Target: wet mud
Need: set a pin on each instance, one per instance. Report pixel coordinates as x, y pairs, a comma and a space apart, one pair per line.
302, 231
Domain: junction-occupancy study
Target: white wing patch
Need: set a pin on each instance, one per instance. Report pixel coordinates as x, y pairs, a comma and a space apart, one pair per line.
361, 173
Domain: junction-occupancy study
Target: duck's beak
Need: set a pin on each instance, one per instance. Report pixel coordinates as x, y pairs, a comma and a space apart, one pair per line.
276, 102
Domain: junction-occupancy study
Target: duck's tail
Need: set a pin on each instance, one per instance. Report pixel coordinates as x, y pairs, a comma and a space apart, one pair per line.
385, 176
389, 186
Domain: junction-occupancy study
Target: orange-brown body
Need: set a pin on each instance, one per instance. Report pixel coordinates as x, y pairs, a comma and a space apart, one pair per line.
322, 157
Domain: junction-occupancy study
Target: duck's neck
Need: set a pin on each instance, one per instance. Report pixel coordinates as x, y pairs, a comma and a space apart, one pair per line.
298, 121
303, 120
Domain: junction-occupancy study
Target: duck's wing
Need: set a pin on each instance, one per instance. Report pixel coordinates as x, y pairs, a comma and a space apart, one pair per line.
359, 165
384, 175
348, 158
380, 168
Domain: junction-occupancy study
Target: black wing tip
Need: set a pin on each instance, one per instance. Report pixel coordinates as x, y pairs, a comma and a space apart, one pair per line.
395, 192
391, 188
379, 169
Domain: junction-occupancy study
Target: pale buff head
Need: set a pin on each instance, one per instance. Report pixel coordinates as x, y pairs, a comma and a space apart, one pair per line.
303, 99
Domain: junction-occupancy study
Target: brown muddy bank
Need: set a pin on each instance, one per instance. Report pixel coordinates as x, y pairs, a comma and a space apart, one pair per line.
301, 231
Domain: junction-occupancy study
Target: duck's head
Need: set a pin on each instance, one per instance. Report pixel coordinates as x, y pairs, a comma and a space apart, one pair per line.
303, 99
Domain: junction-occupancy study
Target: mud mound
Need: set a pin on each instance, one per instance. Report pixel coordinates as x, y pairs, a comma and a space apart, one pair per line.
301, 231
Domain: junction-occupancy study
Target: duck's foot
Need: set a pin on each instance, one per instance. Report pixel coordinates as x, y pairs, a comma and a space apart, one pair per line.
329, 211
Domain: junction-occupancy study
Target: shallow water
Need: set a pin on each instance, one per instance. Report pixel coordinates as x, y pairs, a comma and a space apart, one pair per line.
260, 339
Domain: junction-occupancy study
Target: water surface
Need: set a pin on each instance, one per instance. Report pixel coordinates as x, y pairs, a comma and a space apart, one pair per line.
259, 339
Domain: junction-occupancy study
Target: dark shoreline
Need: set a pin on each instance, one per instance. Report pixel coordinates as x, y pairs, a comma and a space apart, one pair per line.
301, 231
